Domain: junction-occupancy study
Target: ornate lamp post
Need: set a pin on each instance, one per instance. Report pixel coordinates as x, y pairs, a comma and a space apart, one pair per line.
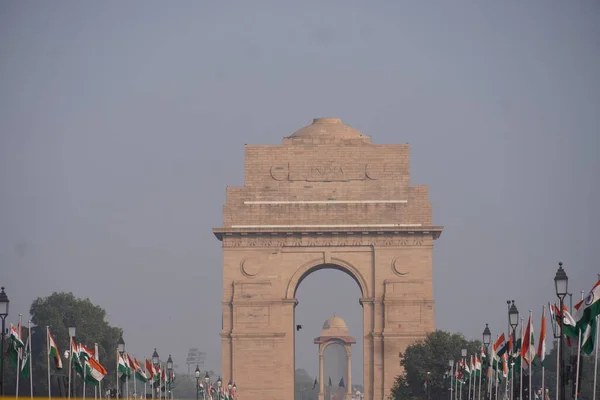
72, 332
487, 339
197, 373
170, 376
219, 386
156, 362
121, 350
451, 365
561, 284
4, 301
463, 354
513, 321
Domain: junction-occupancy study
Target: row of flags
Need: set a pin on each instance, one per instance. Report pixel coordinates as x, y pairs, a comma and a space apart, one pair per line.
341, 384
85, 360
86, 363
520, 351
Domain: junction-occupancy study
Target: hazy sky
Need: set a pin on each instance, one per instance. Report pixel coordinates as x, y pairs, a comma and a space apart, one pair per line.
121, 124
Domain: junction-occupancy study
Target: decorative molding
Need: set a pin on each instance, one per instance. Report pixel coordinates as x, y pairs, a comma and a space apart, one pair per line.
339, 239
326, 202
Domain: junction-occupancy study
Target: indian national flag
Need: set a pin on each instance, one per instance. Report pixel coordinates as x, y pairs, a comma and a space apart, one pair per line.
139, 372
150, 370
500, 347
53, 350
123, 369
505, 365
15, 337
569, 325
477, 366
588, 337
528, 347
541, 351
75, 358
589, 308
86, 352
94, 372
26, 358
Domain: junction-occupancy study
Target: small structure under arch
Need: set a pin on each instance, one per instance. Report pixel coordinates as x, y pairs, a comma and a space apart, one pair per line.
335, 331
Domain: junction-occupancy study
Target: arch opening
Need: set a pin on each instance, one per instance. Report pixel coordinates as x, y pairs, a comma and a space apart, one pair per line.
323, 292
337, 265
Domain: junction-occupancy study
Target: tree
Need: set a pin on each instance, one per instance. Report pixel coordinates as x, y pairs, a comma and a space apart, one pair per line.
427, 362
58, 311
304, 386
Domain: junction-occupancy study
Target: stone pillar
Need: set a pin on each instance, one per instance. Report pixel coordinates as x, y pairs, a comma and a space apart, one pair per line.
349, 382
321, 374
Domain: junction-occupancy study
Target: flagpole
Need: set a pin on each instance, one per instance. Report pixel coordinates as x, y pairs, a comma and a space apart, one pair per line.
19, 355
558, 350
117, 369
97, 389
512, 379
529, 350
470, 378
70, 360
134, 383
596, 358
480, 373
578, 360
48, 356
521, 369
30, 361
542, 345
127, 375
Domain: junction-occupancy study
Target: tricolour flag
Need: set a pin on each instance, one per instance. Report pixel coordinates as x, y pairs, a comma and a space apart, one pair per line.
26, 358
589, 308
53, 350
569, 325
528, 347
94, 372
15, 337
122, 368
541, 351
588, 337
499, 347
75, 358
140, 374
150, 370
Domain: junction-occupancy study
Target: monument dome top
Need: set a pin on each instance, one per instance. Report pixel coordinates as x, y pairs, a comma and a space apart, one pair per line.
328, 127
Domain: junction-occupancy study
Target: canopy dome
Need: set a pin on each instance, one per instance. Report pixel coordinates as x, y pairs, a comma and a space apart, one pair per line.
334, 326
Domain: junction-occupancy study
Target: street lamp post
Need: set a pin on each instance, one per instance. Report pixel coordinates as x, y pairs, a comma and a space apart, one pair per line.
170, 377
121, 350
219, 385
487, 339
156, 361
72, 333
451, 365
513, 321
206, 385
463, 353
197, 373
561, 284
4, 301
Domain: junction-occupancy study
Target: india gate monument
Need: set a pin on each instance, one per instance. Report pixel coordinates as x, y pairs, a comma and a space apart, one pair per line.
327, 197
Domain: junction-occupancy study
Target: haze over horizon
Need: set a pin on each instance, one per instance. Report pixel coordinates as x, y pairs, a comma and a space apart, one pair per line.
122, 123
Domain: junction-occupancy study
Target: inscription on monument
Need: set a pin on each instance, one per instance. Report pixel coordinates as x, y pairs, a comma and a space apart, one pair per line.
327, 171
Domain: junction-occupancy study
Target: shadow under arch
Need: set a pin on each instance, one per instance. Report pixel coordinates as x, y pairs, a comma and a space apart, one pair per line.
317, 265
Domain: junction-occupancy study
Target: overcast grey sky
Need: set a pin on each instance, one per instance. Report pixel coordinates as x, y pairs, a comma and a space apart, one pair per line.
121, 124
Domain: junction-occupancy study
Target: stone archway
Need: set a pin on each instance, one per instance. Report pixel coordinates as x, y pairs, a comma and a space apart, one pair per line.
326, 198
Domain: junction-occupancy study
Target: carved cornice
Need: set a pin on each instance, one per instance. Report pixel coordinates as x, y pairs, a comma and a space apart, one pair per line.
328, 239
